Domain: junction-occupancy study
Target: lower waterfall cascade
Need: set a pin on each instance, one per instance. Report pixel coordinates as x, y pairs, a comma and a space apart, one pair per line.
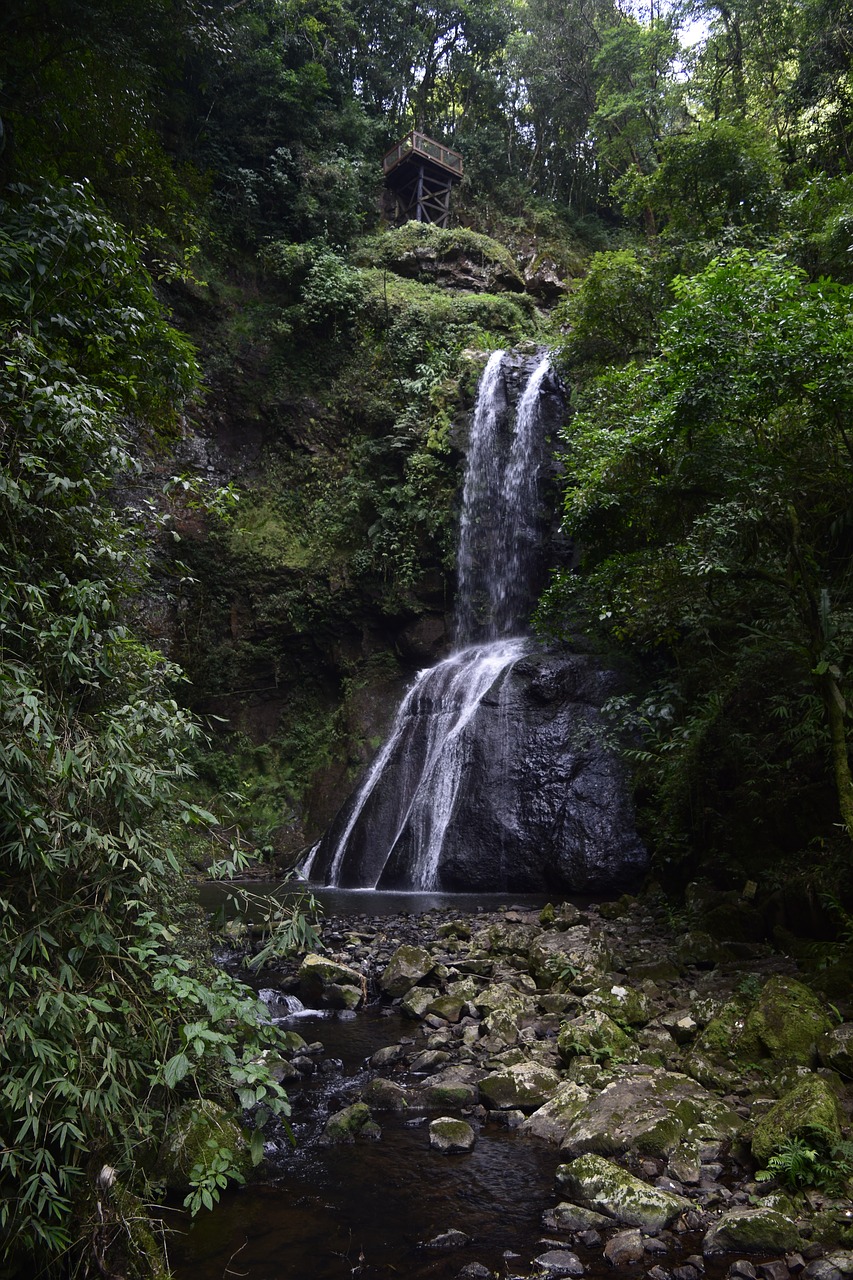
493, 776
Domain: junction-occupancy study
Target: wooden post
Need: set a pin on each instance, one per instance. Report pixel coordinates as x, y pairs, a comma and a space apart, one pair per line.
420, 197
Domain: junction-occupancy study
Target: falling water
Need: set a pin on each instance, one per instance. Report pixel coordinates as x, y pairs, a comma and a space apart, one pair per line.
395, 827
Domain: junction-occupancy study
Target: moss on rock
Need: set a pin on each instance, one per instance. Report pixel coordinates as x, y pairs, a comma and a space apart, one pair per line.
810, 1107
600, 1185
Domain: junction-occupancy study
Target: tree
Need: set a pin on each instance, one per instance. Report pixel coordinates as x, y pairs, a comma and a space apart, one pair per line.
710, 486
106, 1027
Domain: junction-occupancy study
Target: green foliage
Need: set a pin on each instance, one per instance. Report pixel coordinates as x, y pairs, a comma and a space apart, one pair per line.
820, 1161
106, 1025
286, 918
710, 488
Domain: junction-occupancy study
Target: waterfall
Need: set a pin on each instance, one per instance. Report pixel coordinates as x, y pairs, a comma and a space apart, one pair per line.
395, 827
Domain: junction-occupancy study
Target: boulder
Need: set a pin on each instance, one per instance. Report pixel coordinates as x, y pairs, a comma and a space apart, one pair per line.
449, 1135
761, 1230
652, 1112
574, 956
559, 1262
386, 1095
325, 983
407, 967
624, 1248
810, 1105
594, 1035
351, 1123
573, 1217
451, 1089
190, 1132
525, 1086
599, 1184
835, 1049
551, 1122
416, 1003
784, 1024
627, 1006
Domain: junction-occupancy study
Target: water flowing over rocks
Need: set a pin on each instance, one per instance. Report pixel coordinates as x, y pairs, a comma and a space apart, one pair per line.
496, 774
653, 1166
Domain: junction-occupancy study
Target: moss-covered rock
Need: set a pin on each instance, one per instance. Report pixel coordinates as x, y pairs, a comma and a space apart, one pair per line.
525, 1086
760, 1230
407, 967
551, 1121
651, 1112
598, 1184
835, 1049
449, 1135
193, 1134
386, 1095
417, 1001
457, 258
594, 1035
809, 1107
351, 1123
574, 957
325, 983
784, 1024
627, 1006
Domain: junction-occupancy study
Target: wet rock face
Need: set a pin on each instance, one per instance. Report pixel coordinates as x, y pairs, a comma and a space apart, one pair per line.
543, 805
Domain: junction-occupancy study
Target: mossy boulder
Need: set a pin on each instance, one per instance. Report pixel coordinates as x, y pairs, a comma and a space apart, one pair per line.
326, 983
386, 1095
627, 1006
835, 1049
600, 1185
574, 957
594, 1035
552, 1121
784, 1024
524, 1086
650, 1112
417, 1001
456, 258
809, 1107
407, 967
450, 1090
762, 1230
351, 1123
449, 1135
193, 1134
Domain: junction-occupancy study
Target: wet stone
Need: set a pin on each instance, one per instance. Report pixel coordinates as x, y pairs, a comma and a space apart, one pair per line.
475, 1271
776, 1270
447, 1240
624, 1248
560, 1262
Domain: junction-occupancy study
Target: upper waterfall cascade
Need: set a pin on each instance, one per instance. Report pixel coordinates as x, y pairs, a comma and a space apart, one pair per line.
468, 791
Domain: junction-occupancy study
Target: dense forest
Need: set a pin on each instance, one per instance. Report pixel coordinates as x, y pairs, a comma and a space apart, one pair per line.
228, 399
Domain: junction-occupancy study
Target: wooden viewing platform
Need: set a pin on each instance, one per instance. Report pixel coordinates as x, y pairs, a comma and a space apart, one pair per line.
421, 173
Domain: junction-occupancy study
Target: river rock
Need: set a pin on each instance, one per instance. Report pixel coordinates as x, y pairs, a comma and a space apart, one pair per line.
325, 983
650, 1111
573, 956
449, 1135
626, 1005
551, 1121
835, 1049
560, 1262
595, 1035
525, 1086
784, 1024
386, 1095
573, 1217
407, 967
450, 1089
760, 1230
416, 1002
810, 1105
599, 1184
624, 1248
351, 1123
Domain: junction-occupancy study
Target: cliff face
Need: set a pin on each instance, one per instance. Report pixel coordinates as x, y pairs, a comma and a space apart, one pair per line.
337, 404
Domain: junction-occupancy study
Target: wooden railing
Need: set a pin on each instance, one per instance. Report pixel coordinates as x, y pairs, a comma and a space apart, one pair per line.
419, 144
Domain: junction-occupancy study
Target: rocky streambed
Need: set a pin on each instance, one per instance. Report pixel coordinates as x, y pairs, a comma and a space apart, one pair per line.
634, 1086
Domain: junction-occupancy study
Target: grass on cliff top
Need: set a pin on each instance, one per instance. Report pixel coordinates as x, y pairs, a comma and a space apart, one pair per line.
390, 247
